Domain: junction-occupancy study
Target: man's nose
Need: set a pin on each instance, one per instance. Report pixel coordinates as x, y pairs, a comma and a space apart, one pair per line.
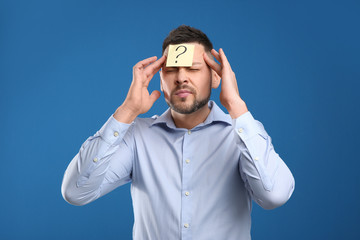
181, 76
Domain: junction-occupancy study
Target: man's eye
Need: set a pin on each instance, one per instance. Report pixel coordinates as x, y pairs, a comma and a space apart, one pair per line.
194, 69
169, 70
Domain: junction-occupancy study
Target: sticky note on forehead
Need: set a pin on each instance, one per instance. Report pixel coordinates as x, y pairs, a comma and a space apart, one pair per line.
180, 55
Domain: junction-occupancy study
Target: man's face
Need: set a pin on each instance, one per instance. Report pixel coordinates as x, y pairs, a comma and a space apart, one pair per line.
187, 89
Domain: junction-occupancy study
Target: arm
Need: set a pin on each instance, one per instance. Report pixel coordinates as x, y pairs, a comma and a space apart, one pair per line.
104, 161
267, 178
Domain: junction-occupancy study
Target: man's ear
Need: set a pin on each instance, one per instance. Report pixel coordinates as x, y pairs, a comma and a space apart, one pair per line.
215, 79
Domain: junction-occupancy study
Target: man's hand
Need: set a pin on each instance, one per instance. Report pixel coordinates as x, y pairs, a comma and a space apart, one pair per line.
229, 95
138, 99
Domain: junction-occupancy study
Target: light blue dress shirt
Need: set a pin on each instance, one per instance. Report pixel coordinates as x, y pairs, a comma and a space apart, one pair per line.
185, 184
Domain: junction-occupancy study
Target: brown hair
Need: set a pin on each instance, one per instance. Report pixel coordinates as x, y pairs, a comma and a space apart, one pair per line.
186, 34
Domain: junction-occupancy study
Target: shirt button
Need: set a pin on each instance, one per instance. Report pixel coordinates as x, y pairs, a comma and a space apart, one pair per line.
186, 225
240, 130
116, 134
187, 193
256, 158
189, 132
95, 160
187, 160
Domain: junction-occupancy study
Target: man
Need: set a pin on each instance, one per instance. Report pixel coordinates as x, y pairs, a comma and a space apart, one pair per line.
194, 170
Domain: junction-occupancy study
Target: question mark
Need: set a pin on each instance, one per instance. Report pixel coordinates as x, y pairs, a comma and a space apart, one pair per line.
185, 49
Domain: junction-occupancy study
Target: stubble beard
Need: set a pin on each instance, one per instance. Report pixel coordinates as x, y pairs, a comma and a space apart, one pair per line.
180, 105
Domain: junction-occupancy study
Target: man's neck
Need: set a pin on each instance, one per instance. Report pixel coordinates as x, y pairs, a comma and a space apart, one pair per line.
191, 120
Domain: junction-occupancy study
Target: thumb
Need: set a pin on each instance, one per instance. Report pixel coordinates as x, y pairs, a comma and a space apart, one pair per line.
154, 96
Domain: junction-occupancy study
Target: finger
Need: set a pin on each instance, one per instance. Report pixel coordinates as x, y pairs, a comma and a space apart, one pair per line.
216, 55
138, 70
139, 67
153, 68
154, 96
213, 65
225, 63
145, 62
223, 57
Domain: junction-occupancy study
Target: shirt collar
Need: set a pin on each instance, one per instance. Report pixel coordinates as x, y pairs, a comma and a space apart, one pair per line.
215, 115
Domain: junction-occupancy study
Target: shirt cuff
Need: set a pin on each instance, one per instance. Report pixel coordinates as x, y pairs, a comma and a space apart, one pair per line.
113, 131
247, 127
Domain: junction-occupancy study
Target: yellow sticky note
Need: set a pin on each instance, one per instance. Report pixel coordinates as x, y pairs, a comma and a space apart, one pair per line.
180, 55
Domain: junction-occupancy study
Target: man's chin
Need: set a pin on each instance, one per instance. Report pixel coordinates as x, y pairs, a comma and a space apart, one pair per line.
184, 110
182, 107
185, 107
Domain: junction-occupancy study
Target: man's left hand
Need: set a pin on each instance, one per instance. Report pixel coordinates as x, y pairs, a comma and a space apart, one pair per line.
229, 95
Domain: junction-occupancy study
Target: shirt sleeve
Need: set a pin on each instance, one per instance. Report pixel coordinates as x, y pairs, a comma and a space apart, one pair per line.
103, 163
266, 176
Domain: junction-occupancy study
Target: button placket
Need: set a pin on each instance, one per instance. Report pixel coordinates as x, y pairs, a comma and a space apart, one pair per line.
186, 187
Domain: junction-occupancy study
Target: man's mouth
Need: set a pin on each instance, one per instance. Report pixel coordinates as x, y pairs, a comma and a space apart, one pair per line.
183, 93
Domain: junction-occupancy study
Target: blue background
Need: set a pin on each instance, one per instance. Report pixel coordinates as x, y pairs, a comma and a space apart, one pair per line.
67, 65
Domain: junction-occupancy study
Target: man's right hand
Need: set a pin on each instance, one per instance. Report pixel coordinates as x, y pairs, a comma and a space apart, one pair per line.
138, 99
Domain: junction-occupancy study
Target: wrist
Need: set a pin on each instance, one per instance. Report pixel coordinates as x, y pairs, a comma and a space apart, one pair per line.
124, 114
236, 108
